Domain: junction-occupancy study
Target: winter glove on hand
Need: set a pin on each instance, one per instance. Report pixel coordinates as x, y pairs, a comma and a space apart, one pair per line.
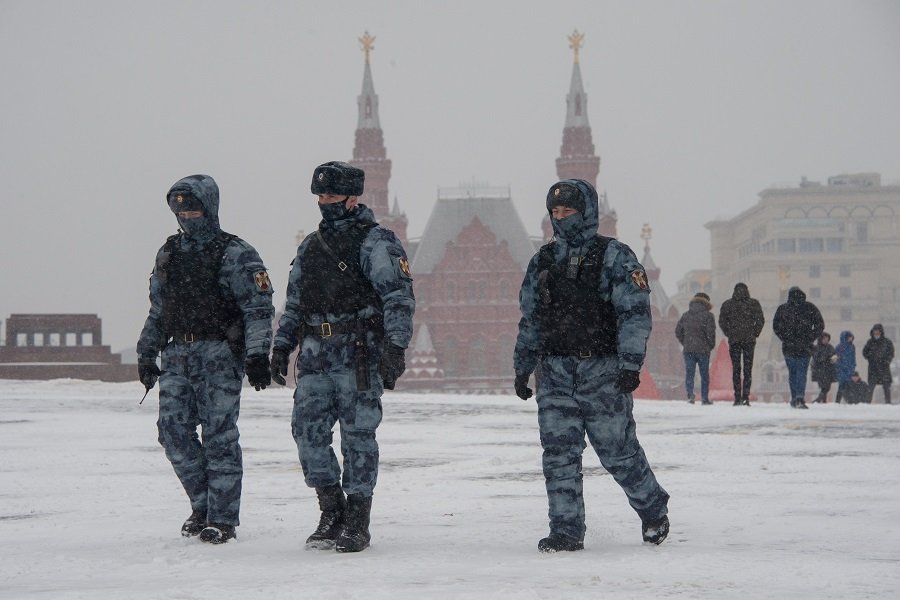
522, 390
393, 363
148, 372
257, 369
628, 381
279, 366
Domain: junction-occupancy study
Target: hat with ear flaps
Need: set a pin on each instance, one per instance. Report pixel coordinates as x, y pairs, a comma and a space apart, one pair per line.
565, 194
338, 178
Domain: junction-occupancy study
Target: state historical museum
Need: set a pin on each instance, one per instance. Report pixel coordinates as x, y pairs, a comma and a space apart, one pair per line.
471, 259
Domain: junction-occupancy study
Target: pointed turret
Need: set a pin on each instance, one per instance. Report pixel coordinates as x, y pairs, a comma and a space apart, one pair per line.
397, 222
369, 153
424, 372
577, 159
658, 297
663, 359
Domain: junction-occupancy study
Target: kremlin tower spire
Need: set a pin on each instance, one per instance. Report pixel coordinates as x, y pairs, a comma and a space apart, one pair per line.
577, 159
369, 153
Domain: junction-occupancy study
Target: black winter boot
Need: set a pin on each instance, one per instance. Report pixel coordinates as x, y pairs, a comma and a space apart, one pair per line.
354, 535
215, 533
333, 506
655, 532
194, 524
557, 542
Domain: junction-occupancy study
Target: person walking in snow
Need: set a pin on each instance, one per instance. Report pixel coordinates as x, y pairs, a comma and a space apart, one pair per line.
741, 320
211, 317
696, 331
585, 305
879, 351
798, 324
846, 362
824, 368
349, 307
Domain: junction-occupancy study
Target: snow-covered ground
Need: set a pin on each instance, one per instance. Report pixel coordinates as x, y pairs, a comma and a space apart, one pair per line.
767, 502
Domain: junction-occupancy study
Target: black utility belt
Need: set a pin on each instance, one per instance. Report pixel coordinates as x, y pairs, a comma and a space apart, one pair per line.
190, 338
587, 353
327, 329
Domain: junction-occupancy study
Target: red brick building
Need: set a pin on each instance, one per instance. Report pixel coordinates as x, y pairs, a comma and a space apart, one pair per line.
471, 259
468, 267
53, 346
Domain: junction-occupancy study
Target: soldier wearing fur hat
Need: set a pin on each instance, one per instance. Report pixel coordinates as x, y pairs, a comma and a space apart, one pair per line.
585, 305
349, 308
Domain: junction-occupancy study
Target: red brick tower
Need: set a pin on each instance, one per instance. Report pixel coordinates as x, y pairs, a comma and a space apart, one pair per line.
576, 155
370, 155
664, 359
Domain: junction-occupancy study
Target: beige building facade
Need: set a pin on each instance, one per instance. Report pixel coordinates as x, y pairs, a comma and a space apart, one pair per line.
838, 241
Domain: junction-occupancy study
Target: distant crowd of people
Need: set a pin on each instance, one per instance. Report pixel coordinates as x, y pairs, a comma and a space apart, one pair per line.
799, 325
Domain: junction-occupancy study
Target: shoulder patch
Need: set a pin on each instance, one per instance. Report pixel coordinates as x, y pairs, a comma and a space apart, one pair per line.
262, 281
404, 267
639, 278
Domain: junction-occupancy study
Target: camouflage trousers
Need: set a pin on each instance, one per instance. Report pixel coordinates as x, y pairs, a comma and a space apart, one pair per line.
323, 399
577, 397
200, 386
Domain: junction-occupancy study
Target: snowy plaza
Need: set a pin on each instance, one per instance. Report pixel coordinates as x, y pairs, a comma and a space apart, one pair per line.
767, 502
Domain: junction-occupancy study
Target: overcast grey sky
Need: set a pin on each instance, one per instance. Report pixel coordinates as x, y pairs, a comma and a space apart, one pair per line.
695, 106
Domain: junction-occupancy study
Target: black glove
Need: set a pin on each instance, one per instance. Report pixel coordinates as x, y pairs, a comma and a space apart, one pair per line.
628, 380
148, 372
522, 390
393, 363
257, 369
279, 366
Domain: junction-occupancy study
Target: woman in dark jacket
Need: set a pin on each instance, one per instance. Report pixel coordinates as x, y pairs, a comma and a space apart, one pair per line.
879, 351
824, 369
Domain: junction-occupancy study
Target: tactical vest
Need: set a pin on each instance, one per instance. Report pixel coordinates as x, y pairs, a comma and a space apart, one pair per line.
335, 283
574, 319
193, 302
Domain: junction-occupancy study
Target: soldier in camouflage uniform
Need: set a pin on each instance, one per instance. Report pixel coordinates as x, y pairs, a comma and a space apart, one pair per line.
211, 316
349, 307
585, 321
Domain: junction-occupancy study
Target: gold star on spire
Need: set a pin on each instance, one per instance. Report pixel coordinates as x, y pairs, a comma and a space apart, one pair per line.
367, 43
576, 41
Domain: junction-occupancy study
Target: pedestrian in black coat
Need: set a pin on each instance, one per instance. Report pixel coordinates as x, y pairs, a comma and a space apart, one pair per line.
741, 320
824, 369
797, 323
879, 351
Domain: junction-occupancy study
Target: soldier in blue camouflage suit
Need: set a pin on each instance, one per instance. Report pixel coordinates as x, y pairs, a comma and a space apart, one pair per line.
211, 316
349, 307
585, 321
